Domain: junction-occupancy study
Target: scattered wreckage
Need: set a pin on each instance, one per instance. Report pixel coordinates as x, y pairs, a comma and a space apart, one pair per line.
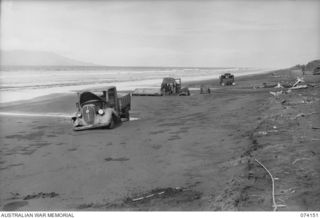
169, 86
299, 81
98, 109
299, 84
226, 79
205, 89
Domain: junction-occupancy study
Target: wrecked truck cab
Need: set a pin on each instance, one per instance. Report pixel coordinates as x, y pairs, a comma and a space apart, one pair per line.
172, 86
101, 110
227, 79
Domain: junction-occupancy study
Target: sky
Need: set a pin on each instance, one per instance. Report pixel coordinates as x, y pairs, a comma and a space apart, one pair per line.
190, 33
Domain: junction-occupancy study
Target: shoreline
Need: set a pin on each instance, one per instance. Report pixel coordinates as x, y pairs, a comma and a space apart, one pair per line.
192, 84
57, 87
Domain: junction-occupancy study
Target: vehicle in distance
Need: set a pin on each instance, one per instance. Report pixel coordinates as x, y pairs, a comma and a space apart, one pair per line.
172, 86
227, 79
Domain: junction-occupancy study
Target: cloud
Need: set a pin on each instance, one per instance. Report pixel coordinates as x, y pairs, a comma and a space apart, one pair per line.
202, 33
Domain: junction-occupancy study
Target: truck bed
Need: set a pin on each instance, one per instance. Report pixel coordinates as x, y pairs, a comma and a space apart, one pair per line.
124, 101
147, 92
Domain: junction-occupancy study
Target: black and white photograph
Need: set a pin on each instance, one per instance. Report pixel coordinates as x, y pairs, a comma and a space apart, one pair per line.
159, 105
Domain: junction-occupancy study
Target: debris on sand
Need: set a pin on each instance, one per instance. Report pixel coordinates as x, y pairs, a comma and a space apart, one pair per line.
262, 133
41, 195
300, 87
299, 159
303, 115
159, 196
266, 85
164, 192
296, 85
299, 81
300, 115
178, 194
272, 85
279, 86
276, 94
116, 159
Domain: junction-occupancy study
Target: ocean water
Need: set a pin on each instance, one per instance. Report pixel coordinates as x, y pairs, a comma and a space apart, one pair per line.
23, 83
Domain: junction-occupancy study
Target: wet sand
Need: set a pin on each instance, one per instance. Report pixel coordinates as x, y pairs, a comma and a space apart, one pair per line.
183, 153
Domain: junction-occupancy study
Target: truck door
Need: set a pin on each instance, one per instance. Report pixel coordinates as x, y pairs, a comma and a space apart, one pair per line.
112, 98
178, 85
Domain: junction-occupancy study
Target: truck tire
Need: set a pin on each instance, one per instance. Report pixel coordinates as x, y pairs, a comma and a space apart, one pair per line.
127, 116
112, 122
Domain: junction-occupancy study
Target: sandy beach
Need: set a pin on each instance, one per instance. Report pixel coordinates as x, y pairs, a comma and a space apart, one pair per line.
185, 153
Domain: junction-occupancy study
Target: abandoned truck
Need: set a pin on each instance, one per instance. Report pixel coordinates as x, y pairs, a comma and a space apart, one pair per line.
100, 109
172, 86
227, 79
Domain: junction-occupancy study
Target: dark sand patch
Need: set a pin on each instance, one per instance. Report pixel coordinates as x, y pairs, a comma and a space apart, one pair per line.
116, 159
72, 149
61, 143
158, 131
41, 195
156, 147
30, 136
40, 127
11, 165
15, 205
174, 137
40, 144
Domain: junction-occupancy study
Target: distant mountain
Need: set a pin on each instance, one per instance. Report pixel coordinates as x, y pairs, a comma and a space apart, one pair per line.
36, 58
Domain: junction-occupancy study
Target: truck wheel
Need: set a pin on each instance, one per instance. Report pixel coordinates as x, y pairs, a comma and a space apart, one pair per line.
112, 123
128, 116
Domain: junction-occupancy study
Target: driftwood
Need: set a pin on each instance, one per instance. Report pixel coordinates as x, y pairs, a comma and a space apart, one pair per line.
299, 80
157, 194
300, 87
304, 158
275, 206
303, 115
